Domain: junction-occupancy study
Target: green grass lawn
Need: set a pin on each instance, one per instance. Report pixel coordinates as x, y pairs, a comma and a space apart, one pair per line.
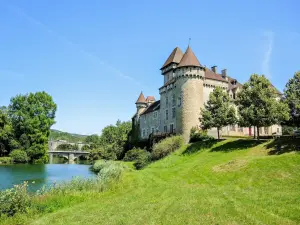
228, 182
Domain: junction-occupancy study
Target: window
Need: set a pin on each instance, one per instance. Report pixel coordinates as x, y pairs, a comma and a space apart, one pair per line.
232, 127
144, 133
277, 129
173, 112
156, 130
167, 114
152, 130
266, 130
155, 115
240, 129
179, 101
167, 101
171, 128
173, 100
165, 129
147, 132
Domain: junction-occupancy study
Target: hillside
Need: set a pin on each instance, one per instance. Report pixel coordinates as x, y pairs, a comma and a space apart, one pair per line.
228, 182
60, 135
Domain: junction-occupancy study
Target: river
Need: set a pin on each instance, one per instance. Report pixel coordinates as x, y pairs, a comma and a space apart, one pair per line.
41, 174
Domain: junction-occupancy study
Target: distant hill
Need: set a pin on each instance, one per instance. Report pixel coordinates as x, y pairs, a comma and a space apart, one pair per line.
60, 135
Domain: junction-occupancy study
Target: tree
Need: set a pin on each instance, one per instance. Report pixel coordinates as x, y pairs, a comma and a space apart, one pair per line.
259, 105
32, 115
92, 139
7, 138
218, 111
292, 98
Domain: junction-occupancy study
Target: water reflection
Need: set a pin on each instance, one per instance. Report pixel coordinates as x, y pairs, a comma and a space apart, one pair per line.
39, 174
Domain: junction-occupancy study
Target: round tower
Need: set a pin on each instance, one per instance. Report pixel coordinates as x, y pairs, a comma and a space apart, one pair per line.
189, 87
141, 104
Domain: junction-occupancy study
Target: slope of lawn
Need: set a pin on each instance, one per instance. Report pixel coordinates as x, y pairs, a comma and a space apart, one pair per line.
228, 182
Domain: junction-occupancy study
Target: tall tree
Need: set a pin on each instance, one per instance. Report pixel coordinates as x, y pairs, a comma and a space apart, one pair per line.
259, 104
218, 111
292, 98
7, 139
32, 116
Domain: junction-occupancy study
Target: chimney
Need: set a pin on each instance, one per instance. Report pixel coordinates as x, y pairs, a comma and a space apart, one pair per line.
224, 73
214, 69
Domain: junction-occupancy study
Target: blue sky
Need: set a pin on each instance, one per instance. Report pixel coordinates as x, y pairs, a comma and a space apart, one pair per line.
94, 57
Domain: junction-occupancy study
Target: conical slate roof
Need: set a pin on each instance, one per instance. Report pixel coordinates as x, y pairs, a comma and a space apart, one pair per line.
175, 57
141, 99
189, 59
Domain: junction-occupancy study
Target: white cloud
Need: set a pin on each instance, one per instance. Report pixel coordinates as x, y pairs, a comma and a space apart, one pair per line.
269, 35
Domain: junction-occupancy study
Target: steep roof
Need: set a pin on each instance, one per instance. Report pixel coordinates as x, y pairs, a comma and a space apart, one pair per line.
174, 57
189, 59
141, 99
153, 107
209, 74
150, 99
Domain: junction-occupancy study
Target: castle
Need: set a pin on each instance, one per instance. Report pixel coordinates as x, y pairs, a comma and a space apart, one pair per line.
186, 88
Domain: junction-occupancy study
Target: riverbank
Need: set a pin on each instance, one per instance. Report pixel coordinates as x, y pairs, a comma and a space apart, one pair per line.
227, 182
5, 160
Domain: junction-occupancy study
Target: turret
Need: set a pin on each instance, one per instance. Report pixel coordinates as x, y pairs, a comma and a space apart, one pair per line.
141, 104
167, 70
189, 75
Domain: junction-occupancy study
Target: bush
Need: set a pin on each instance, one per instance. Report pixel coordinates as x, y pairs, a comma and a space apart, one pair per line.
166, 146
19, 156
99, 165
142, 160
199, 135
5, 160
15, 200
134, 154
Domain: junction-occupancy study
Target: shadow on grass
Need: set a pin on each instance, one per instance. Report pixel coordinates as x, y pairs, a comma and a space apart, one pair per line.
283, 145
240, 144
198, 146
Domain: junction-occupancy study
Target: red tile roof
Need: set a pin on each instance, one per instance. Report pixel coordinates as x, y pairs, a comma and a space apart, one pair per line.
141, 99
209, 74
174, 57
150, 99
153, 107
189, 59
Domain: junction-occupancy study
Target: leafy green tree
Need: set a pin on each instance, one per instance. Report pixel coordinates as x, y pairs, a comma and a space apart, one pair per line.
92, 139
7, 138
218, 111
292, 98
32, 115
259, 105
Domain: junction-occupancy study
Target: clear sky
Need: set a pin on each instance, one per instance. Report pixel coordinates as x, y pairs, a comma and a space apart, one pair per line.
94, 57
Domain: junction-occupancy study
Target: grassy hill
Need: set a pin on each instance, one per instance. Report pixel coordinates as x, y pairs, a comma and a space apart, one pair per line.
60, 135
228, 182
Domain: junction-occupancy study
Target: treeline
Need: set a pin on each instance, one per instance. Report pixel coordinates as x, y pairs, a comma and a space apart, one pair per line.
258, 104
25, 127
111, 144
59, 135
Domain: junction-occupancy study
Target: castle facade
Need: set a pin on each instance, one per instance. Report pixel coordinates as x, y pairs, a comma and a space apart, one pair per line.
186, 88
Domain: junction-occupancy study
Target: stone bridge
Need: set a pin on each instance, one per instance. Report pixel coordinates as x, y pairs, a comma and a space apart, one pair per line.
71, 155
54, 144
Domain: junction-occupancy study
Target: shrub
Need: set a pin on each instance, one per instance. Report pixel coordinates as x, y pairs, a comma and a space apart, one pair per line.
5, 160
142, 160
19, 156
199, 135
166, 146
99, 165
134, 154
15, 200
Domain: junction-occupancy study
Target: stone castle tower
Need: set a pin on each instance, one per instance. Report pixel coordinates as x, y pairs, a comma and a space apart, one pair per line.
186, 74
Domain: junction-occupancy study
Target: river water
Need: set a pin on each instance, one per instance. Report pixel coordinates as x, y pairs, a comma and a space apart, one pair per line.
39, 175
